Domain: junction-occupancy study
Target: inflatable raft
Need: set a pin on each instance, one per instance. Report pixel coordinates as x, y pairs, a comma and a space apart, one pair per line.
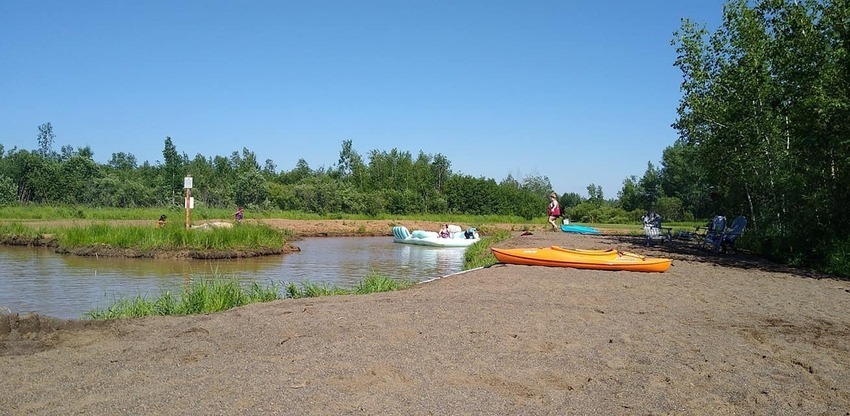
457, 237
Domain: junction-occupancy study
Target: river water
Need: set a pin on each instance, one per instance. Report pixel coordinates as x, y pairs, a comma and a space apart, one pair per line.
66, 286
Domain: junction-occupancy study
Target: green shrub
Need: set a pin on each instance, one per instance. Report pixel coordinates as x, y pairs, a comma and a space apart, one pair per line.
837, 260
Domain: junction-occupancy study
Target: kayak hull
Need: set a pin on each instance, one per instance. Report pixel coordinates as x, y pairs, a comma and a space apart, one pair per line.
581, 259
578, 229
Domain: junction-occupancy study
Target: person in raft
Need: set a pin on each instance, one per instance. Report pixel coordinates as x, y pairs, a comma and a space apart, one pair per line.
444, 232
238, 214
161, 221
554, 210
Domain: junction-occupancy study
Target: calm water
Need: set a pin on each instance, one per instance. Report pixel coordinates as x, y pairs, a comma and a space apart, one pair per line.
65, 286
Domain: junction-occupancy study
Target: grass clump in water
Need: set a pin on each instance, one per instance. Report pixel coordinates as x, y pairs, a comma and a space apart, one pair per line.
174, 237
218, 294
373, 283
204, 296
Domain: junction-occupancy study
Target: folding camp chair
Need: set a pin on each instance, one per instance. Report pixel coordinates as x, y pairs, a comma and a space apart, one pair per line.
728, 238
714, 234
653, 229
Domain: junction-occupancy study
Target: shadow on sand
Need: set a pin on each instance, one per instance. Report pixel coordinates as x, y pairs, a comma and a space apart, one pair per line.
690, 250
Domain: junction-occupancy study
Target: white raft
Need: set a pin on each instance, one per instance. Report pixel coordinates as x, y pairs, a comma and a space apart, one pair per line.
457, 238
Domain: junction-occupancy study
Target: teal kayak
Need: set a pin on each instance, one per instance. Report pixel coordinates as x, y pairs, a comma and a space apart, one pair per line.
579, 229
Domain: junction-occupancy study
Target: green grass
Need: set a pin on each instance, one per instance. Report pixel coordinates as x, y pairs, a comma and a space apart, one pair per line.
220, 294
13, 229
176, 214
479, 254
204, 296
373, 283
376, 283
170, 237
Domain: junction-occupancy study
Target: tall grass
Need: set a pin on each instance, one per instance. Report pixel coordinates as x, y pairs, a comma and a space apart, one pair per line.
173, 237
479, 254
204, 296
19, 230
220, 294
372, 283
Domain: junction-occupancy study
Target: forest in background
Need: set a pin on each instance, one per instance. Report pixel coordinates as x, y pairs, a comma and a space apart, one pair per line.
764, 121
764, 126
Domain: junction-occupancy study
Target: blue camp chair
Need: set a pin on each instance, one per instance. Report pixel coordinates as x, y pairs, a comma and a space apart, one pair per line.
727, 239
714, 233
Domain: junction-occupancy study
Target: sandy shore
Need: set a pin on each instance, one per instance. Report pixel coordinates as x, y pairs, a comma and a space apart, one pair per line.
713, 335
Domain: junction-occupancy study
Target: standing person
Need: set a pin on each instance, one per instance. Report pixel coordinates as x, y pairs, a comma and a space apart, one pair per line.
238, 214
554, 210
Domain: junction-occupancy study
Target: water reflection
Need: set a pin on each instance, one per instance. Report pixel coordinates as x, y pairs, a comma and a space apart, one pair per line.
318, 262
39, 280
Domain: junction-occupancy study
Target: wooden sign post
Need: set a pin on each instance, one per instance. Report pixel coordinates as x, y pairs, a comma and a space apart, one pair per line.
187, 183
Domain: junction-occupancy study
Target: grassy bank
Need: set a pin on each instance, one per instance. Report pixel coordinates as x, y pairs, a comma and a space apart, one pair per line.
479, 254
219, 294
176, 215
171, 237
13, 229
373, 283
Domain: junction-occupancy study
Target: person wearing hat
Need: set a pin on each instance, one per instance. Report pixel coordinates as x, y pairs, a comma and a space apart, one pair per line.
554, 210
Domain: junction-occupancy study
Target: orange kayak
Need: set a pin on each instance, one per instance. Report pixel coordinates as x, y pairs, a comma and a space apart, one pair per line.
581, 259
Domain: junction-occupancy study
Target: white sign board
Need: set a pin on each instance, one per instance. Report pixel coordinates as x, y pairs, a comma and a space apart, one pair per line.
187, 182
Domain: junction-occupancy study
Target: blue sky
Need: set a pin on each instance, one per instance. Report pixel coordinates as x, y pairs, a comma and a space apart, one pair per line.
580, 92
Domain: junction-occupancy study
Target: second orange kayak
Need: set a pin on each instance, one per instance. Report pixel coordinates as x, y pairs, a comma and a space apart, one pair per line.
555, 256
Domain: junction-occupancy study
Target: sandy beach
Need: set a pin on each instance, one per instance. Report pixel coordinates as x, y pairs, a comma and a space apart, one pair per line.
713, 335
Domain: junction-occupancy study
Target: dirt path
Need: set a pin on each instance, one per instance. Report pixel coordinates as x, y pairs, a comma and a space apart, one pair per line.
712, 335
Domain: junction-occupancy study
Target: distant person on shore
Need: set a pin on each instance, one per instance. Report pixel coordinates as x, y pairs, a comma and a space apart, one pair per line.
238, 214
554, 210
161, 221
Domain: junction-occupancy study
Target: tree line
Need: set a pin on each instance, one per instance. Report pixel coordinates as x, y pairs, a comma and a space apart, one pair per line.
764, 124
383, 182
386, 182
